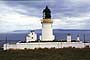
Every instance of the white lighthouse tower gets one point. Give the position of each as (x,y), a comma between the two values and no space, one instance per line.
(47,31)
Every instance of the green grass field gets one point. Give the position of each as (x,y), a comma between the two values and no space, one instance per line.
(46,54)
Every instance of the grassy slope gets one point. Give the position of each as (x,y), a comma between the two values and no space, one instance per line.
(46,54)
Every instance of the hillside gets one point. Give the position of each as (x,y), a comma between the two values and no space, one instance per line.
(46,54)
(60,34)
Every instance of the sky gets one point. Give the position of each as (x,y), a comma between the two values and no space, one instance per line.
(27,14)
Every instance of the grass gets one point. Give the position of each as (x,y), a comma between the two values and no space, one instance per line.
(46,54)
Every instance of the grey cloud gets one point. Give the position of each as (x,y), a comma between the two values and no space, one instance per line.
(21,0)
(59,7)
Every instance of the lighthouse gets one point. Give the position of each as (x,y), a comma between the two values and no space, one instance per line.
(47,31)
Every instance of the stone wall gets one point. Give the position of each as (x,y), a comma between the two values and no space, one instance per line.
(45,45)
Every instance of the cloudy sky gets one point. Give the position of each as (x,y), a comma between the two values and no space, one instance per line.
(26,14)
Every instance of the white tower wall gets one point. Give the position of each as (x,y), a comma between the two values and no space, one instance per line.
(47,31)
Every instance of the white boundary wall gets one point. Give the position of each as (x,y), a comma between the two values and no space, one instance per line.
(45,45)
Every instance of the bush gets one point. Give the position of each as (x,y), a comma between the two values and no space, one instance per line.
(87,46)
(46,54)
